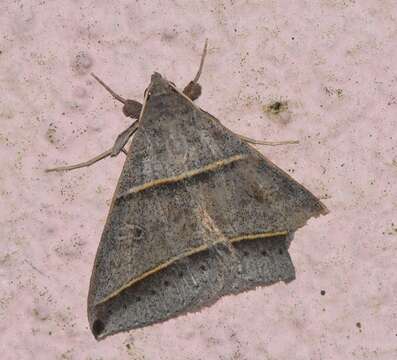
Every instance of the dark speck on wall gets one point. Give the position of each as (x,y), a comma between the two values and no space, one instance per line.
(276,107)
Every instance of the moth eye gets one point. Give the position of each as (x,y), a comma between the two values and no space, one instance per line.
(132,109)
(264,253)
(192,90)
(166,283)
(203,268)
(280,251)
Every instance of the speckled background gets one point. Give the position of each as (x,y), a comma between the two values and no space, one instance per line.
(332,61)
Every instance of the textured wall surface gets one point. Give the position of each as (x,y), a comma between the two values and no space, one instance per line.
(334,64)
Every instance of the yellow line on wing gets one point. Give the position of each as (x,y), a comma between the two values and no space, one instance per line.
(257,236)
(210,167)
(187,254)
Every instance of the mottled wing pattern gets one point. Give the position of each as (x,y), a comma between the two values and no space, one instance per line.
(190,187)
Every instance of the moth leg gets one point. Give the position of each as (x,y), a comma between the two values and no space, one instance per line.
(131,108)
(118,147)
(83,164)
(193,89)
(264,142)
(123,138)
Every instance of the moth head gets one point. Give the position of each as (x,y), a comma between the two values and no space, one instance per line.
(158,85)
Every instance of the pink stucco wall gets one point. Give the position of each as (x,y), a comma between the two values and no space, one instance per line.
(333,61)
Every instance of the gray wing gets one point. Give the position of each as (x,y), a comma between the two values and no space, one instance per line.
(189,185)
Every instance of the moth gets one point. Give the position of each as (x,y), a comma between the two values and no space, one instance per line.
(197,214)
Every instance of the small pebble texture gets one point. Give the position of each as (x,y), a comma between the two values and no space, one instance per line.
(329,64)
